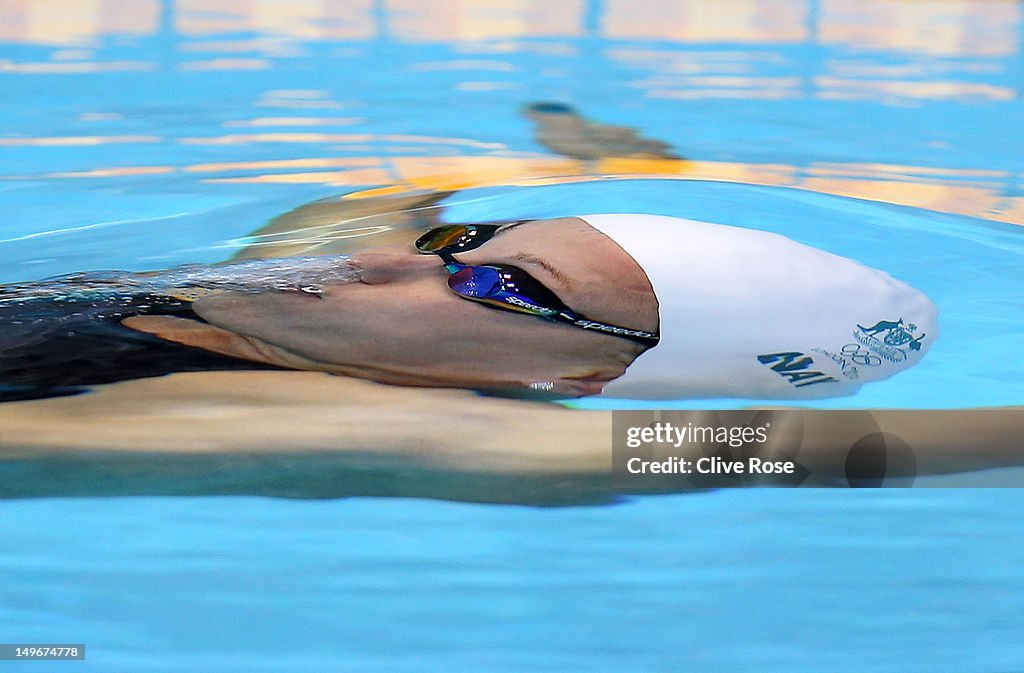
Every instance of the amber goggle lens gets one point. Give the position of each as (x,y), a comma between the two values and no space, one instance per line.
(444,237)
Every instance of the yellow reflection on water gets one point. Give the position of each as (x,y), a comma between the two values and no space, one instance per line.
(465,142)
(241,138)
(946,198)
(972,192)
(946,31)
(489,86)
(227,64)
(898,172)
(120,172)
(291,164)
(944,50)
(464,64)
(951,28)
(263,45)
(921,69)
(836,88)
(68,141)
(59,22)
(976,193)
(940,27)
(294,121)
(758,21)
(310,20)
(725,171)
(474,20)
(1010,209)
(298,99)
(696,87)
(70,68)
(364,176)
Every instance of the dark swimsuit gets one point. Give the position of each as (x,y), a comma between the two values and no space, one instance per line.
(54,348)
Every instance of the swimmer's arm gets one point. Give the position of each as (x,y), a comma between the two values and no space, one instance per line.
(304,434)
(940,441)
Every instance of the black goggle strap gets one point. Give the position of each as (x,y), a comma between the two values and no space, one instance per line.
(648,339)
(525,302)
(560,312)
(451,264)
(640,336)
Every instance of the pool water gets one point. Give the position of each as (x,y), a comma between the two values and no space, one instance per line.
(160,134)
(916,580)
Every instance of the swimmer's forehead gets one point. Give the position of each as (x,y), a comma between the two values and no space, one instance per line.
(566,243)
(545,228)
(583,266)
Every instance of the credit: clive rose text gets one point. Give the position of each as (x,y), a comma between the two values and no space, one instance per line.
(667,434)
(713,465)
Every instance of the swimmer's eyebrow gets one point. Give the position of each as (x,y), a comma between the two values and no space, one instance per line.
(508,228)
(533,259)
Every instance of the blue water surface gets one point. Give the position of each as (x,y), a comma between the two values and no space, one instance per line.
(186,117)
(736,580)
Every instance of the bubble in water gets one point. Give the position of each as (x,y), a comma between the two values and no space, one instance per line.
(299,274)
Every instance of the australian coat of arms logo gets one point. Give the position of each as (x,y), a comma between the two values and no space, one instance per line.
(892,340)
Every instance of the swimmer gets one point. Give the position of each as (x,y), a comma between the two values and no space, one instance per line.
(626,305)
(562,129)
(645,306)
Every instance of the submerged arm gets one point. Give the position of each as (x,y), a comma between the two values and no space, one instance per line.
(305,434)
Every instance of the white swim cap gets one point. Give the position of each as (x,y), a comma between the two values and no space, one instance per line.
(747,313)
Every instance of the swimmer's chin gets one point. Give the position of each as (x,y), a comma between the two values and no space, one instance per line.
(275,317)
(551,390)
(243,307)
(215,339)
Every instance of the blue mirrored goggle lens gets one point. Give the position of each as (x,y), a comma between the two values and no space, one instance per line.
(498,287)
(478,282)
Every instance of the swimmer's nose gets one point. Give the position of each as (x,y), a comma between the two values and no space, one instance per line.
(379,267)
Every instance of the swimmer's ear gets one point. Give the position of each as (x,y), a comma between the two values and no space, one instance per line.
(200,335)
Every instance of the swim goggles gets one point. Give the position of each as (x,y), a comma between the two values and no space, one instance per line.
(507,287)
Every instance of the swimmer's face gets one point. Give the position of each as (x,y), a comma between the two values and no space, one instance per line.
(401,323)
